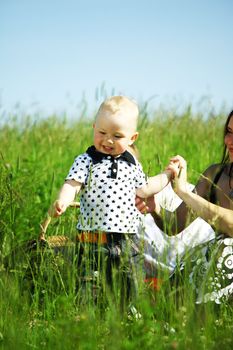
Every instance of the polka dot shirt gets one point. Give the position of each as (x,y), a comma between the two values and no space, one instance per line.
(107,197)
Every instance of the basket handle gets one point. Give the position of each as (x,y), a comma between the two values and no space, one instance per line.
(44,225)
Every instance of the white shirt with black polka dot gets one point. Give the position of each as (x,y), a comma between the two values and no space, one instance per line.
(107,204)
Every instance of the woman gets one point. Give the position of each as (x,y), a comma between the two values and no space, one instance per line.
(212,200)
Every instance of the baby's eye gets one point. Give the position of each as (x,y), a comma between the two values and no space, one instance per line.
(102,132)
(118,136)
(229,131)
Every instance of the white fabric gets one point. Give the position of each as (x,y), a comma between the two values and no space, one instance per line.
(163,250)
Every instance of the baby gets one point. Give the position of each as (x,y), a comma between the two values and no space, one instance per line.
(108,176)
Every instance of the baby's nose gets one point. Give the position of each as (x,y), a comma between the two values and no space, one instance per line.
(109,140)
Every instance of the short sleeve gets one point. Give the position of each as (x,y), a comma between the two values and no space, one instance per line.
(140,177)
(79,171)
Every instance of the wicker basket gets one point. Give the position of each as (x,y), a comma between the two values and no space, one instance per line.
(23,254)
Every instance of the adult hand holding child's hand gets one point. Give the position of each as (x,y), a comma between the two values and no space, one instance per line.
(178,166)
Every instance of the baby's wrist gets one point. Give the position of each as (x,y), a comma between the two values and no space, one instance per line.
(169,173)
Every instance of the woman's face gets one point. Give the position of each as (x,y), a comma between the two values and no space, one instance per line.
(229,139)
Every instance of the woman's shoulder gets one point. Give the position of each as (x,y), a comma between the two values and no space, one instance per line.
(213,170)
(209,177)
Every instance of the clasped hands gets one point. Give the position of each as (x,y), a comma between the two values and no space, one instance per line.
(178,166)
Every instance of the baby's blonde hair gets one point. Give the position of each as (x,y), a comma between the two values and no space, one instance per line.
(120,104)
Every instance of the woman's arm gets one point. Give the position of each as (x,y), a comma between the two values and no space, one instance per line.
(183,215)
(168,221)
(176,221)
(218,217)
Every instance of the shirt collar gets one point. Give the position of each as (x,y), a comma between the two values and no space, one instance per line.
(97,156)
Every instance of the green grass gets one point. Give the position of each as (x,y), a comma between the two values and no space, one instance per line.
(34,160)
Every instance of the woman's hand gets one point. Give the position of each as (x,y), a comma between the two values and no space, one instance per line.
(148,205)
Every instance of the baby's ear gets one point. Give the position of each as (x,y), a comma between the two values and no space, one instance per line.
(93,125)
(133,138)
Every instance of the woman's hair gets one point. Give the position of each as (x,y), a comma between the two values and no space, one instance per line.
(225,156)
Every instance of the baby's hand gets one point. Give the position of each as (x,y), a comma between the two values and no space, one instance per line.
(174,168)
(179,166)
(57,209)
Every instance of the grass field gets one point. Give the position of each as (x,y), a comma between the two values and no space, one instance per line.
(34,159)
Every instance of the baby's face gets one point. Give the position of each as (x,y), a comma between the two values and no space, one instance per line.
(113,133)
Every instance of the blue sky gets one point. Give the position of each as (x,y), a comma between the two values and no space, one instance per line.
(54,53)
